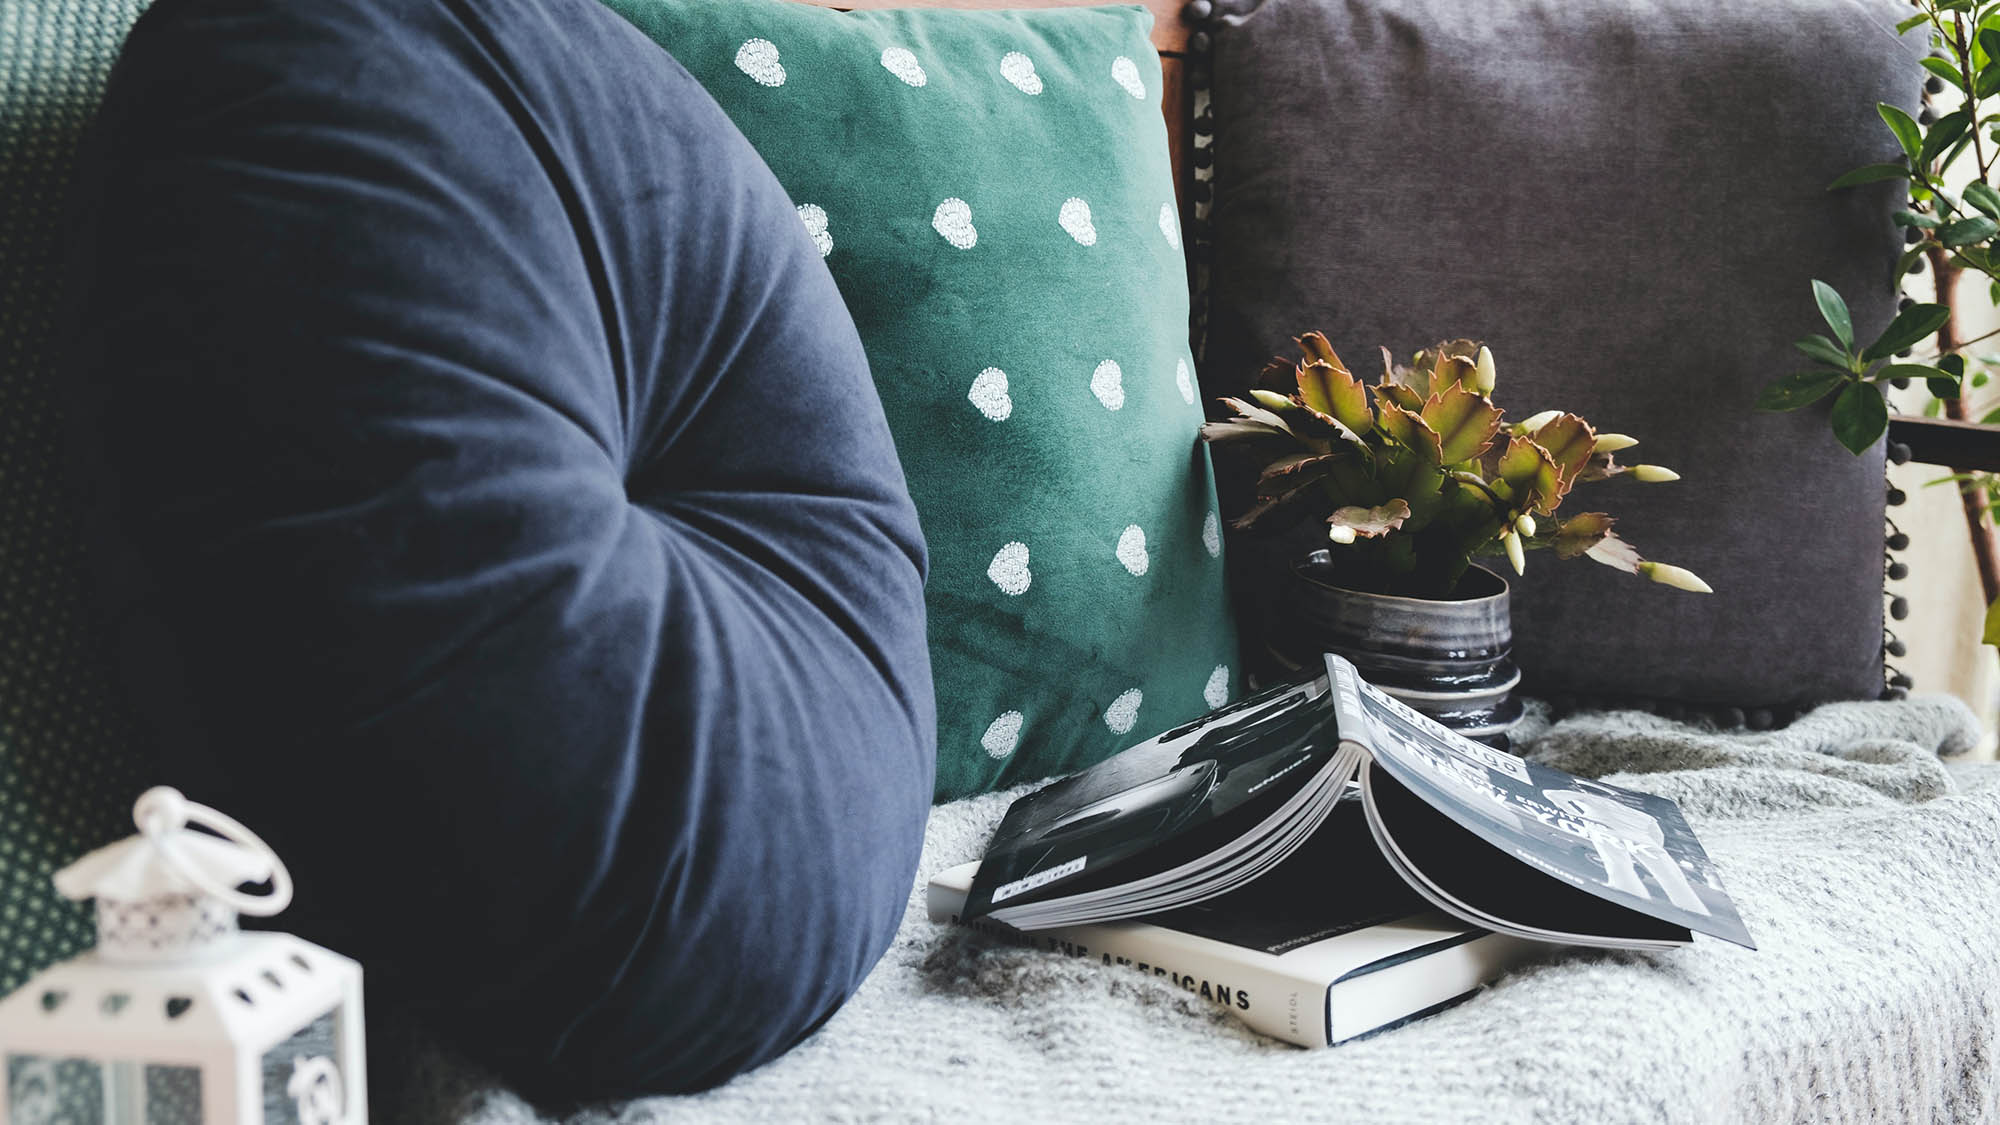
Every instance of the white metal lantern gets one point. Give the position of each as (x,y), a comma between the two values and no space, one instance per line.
(177,1017)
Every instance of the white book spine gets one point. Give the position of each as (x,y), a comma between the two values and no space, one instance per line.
(1278,1004)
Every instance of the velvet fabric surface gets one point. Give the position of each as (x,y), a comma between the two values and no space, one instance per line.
(500,519)
(992,192)
(1626,200)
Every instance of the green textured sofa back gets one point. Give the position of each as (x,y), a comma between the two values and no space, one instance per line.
(68,771)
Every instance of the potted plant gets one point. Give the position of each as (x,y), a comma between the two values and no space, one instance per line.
(1414,479)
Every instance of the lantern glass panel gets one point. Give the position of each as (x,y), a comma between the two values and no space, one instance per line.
(173,1095)
(305,1076)
(44,1091)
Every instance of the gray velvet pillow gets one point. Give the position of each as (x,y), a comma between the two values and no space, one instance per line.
(1626,199)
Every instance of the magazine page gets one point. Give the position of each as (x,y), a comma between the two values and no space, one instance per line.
(1634,850)
(1167,803)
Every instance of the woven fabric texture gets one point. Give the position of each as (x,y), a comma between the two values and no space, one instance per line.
(67,767)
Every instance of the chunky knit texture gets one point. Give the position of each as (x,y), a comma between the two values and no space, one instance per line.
(1867,867)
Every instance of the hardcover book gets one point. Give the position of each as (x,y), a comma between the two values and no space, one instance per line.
(1326,805)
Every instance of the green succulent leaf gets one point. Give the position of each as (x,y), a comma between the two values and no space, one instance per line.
(1860,416)
(1288,474)
(1239,429)
(1580,533)
(1870,173)
(1834,311)
(1337,394)
(1904,126)
(1824,350)
(1409,430)
(1316,346)
(1569,442)
(1528,469)
(1369,523)
(1464,421)
(1911,326)
(1802,388)
(1616,553)
(1965,232)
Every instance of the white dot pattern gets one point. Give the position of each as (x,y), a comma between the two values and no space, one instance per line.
(902,62)
(953,220)
(1019,71)
(1132,550)
(1002,735)
(1125,72)
(1183,381)
(1216,692)
(1107,382)
(1074,217)
(1211,535)
(1009,569)
(1123,714)
(758,58)
(989,394)
(814,217)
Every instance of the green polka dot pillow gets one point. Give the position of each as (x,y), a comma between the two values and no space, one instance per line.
(993,194)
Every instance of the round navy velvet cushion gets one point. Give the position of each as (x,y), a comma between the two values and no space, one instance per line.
(503,522)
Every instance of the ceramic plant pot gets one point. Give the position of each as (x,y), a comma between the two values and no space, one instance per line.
(1447,658)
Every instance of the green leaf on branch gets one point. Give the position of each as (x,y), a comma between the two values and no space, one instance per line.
(1990,633)
(1908,371)
(1983,196)
(1942,68)
(1904,126)
(1860,416)
(1825,350)
(1913,219)
(1965,232)
(1942,133)
(1870,173)
(1954,366)
(1834,311)
(1904,27)
(1942,388)
(1911,326)
(1802,388)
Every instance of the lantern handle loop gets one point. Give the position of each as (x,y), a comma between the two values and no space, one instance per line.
(162,810)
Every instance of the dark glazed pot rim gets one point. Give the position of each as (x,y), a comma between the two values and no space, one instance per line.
(1476,577)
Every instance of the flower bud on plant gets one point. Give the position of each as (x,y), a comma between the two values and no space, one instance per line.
(1674,576)
(1515,553)
(1484,374)
(1525,525)
(1535,422)
(1340,533)
(1654,474)
(1272,399)
(1612,443)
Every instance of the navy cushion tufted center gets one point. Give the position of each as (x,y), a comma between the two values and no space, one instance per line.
(499,516)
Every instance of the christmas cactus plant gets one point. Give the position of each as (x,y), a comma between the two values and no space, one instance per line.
(1419,475)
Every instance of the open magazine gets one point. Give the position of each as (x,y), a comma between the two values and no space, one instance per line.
(1496,841)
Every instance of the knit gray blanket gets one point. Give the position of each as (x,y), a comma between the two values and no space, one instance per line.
(1867,866)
